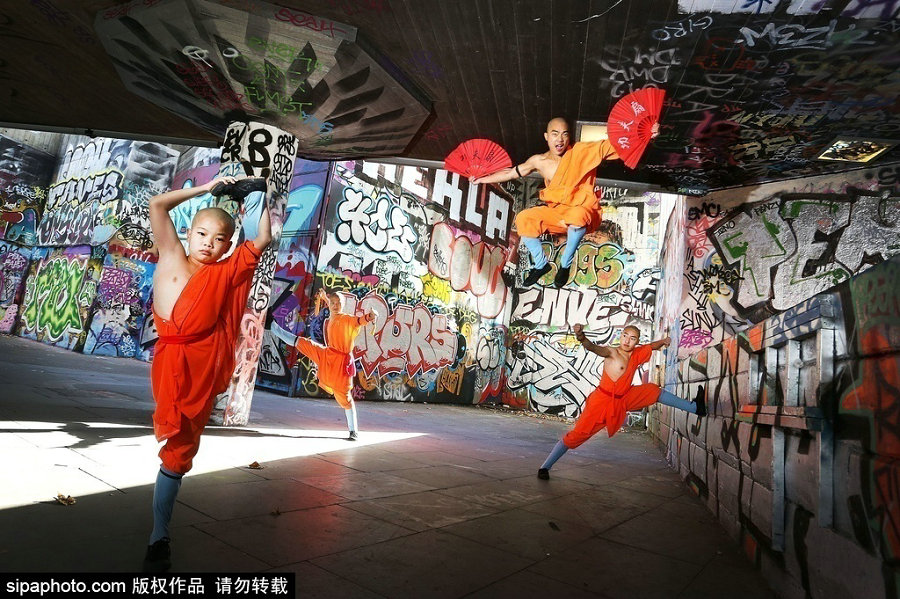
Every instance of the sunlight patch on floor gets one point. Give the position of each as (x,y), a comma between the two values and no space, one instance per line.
(78,459)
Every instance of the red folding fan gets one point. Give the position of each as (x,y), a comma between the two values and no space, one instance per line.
(477,158)
(631,122)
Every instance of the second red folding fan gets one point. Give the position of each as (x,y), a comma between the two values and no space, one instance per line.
(631,120)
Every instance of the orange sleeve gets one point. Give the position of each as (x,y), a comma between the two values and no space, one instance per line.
(589,154)
(641,354)
(243,262)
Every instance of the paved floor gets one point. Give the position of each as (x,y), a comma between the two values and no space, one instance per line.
(433,501)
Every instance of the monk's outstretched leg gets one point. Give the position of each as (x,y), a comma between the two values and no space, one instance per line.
(557,452)
(530,225)
(177,457)
(342,396)
(352,422)
(541,265)
(698,406)
(158,558)
(590,422)
(311,350)
(573,238)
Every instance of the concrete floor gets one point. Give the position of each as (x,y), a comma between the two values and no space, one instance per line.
(432,501)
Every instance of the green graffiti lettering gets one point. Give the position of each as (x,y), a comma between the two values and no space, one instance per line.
(53,306)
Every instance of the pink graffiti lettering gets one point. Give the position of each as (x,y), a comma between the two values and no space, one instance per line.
(302,19)
(476,268)
(694,338)
(411,339)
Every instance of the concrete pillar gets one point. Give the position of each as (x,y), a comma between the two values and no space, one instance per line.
(254,149)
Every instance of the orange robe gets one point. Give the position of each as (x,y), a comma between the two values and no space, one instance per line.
(334,360)
(607,404)
(194,355)
(569,198)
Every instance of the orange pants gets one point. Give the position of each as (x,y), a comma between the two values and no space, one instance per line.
(178,453)
(602,409)
(533,222)
(331,370)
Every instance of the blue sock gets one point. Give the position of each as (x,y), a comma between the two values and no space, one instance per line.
(164,493)
(558,450)
(536,250)
(573,238)
(669,399)
(350,413)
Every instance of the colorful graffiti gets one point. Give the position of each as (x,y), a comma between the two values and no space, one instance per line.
(101,188)
(407,243)
(120,307)
(24,174)
(14,261)
(294,273)
(59,293)
(259,150)
(611,285)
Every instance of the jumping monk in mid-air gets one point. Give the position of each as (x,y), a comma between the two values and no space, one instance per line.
(198,301)
(571,207)
(334,360)
(615,395)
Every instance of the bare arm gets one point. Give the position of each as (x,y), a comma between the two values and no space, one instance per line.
(661,343)
(264,230)
(366,318)
(600,350)
(161,223)
(508,174)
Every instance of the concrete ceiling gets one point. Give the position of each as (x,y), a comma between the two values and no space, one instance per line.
(756,89)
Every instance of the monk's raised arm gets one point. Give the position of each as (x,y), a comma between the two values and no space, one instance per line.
(661,343)
(161,224)
(264,230)
(508,174)
(366,318)
(600,350)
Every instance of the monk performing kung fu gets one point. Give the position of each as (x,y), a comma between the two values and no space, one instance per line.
(571,207)
(615,395)
(334,360)
(198,301)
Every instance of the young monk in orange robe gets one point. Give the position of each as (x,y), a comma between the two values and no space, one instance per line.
(198,301)
(615,395)
(571,207)
(334,360)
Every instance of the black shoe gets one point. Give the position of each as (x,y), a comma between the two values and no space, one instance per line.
(562,277)
(353,436)
(700,400)
(544,474)
(158,558)
(535,274)
(240,188)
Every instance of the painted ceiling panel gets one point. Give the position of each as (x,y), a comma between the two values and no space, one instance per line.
(756,89)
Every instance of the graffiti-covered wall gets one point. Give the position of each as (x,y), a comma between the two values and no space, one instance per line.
(101,188)
(294,273)
(751,256)
(120,307)
(59,294)
(614,280)
(24,174)
(431,256)
(14,262)
(783,299)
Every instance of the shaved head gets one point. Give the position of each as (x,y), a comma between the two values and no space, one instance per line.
(634,329)
(219,215)
(558,123)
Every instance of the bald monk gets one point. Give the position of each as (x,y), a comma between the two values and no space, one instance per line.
(334,361)
(198,301)
(615,395)
(571,207)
